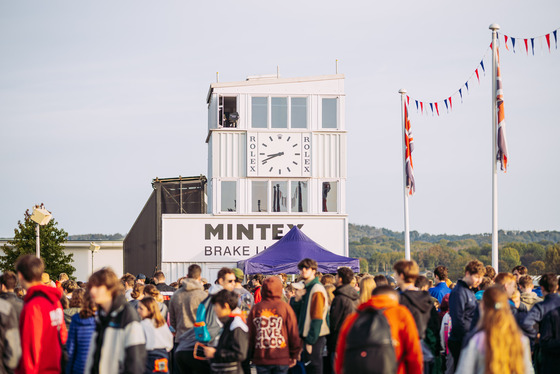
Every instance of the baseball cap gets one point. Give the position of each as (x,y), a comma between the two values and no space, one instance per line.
(45,279)
(140,276)
(238,274)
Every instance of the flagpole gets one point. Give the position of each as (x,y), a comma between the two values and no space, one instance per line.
(494,27)
(402,91)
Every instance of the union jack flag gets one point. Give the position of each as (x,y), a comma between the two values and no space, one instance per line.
(502,154)
(409,147)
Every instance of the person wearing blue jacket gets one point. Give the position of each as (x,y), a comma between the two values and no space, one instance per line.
(440,289)
(462,306)
(79,336)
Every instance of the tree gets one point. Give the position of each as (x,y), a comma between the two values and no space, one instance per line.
(364,266)
(537,268)
(52,251)
(552,258)
(510,257)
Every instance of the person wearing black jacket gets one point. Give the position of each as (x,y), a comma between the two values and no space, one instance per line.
(419,303)
(233,345)
(462,306)
(344,303)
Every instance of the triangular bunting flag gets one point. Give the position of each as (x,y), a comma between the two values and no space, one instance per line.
(422,107)
(461,94)
(407,100)
(513,44)
(437,110)
(416,106)
(555,39)
(482,64)
(477,77)
(505,41)
(467,85)
(533,45)
(450,103)
(446,106)
(526,41)
(432,107)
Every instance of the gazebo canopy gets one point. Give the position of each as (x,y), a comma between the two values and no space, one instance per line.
(284,255)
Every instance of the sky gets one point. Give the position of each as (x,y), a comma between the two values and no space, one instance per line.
(99,98)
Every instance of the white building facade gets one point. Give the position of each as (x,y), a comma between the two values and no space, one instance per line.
(276,158)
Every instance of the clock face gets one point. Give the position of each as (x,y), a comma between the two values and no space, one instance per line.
(279,154)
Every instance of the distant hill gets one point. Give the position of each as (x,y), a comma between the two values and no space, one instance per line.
(90,237)
(357,232)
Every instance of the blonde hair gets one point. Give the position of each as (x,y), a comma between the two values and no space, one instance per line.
(367,285)
(504,351)
(330,292)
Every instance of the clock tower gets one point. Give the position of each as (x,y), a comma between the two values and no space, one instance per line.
(277,146)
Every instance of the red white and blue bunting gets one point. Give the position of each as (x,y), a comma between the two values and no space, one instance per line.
(433,107)
(544,42)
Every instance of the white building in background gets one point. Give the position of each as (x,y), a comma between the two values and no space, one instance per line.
(110,254)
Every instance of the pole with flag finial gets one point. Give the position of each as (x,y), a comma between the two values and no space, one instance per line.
(403,91)
(494,27)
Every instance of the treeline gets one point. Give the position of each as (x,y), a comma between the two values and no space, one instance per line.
(116,236)
(378,249)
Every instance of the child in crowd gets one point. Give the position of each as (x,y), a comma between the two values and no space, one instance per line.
(233,345)
(159,340)
(528,297)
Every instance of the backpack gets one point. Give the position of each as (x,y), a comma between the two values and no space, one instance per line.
(369,346)
(201,332)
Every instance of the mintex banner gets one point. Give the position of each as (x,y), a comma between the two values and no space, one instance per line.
(207,238)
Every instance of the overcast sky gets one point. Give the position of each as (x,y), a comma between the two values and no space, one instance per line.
(98,98)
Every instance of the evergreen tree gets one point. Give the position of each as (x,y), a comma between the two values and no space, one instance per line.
(52,251)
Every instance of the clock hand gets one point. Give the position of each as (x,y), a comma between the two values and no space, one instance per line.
(272,156)
(276,154)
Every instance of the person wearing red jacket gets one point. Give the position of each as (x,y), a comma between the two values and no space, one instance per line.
(41,323)
(404,333)
(257,284)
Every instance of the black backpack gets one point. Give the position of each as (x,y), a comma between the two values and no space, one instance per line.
(369,346)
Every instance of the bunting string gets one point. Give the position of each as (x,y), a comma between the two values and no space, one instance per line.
(457,96)
(547,41)
(550,40)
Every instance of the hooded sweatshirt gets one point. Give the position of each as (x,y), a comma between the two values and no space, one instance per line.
(39,324)
(345,301)
(273,327)
(183,306)
(403,332)
(420,305)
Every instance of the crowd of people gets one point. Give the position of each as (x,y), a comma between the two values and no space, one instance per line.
(314,323)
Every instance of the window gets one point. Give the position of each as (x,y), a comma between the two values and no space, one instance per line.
(329,201)
(279,196)
(299,112)
(279,112)
(299,196)
(260,196)
(228,115)
(285,112)
(229,196)
(259,112)
(329,113)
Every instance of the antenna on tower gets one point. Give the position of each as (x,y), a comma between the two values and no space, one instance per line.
(277,71)
(336,66)
(217,76)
